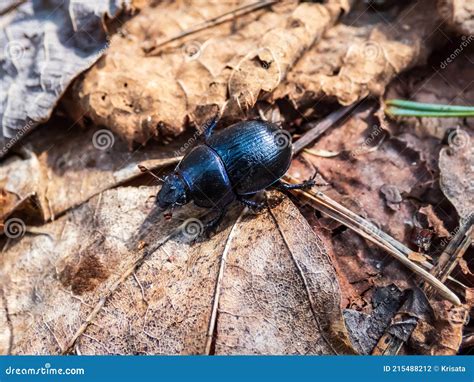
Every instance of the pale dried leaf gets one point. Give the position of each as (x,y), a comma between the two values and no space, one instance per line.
(112,276)
(456,165)
(43,46)
(366,329)
(66,167)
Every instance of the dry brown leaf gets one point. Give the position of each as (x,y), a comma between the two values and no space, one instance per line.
(443,336)
(227,66)
(415,309)
(114,277)
(459,15)
(359,177)
(434,221)
(352,62)
(65,167)
(8,202)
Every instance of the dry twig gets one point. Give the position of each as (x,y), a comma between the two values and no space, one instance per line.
(228,16)
(372,233)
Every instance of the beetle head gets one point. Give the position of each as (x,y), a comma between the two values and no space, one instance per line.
(172,193)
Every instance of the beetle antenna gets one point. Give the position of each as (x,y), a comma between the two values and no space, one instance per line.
(147,170)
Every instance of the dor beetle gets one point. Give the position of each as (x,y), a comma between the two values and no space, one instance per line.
(232,164)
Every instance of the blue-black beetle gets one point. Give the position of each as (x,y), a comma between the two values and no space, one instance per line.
(232,164)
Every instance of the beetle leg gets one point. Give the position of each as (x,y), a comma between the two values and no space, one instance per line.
(307,184)
(212,224)
(209,127)
(251,203)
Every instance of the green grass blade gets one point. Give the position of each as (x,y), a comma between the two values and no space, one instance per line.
(412,105)
(396,111)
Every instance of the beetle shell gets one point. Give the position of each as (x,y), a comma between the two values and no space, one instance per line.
(255,154)
(206,178)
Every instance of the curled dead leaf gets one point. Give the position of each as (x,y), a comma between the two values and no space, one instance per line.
(228,66)
(376,54)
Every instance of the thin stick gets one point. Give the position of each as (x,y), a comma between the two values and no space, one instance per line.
(11,7)
(372,233)
(389,344)
(147,170)
(321,127)
(218,287)
(213,22)
(453,252)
